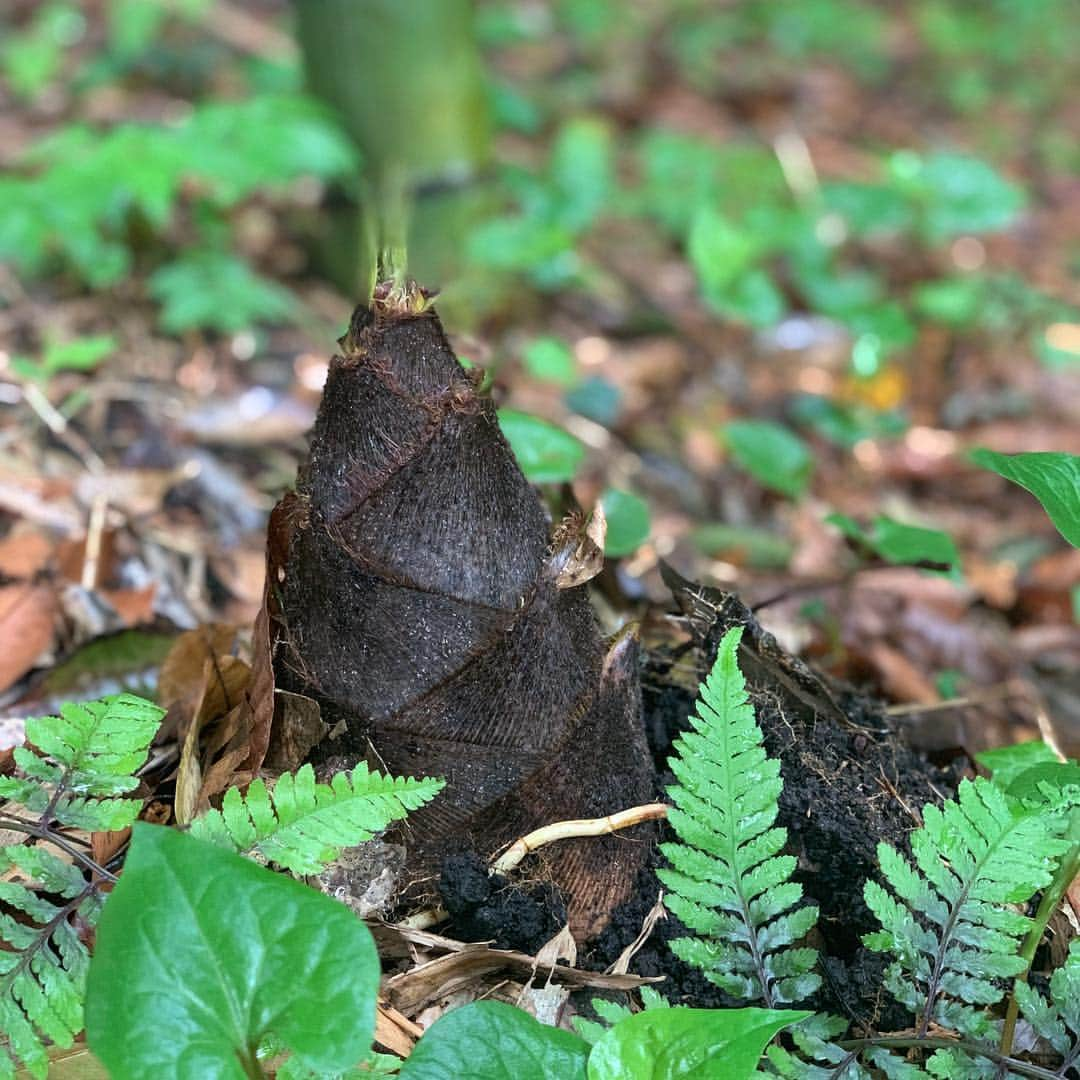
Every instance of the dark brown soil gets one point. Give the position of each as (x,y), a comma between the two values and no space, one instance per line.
(488,907)
(849,783)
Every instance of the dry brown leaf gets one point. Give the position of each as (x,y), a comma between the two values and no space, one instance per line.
(394,1032)
(181,686)
(259,705)
(134,606)
(137,492)
(652,917)
(24,552)
(899,676)
(298,727)
(224,680)
(412,990)
(225,773)
(104,845)
(27,629)
(561,947)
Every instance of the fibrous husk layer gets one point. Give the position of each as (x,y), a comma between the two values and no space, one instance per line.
(425,604)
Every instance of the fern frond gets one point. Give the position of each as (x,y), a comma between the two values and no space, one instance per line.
(75,772)
(43,961)
(1057,1020)
(611,1012)
(819,1058)
(302,825)
(77,764)
(952,931)
(728,881)
(959,1065)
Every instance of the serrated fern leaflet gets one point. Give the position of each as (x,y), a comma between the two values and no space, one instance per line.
(77,766)
(728,882)
(1057,1020)
(952,926)
(301,825)
(74,774)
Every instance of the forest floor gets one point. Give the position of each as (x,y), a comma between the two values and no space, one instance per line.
(134,497)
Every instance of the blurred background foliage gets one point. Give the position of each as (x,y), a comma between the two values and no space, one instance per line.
(820,246)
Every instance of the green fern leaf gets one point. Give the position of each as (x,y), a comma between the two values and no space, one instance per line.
(611,1012)
(77,766)
(728,881)
(958,1065)
(43,962)
(1057,1020)
(302,825)
(952,936)
(819,1057)
(74,774)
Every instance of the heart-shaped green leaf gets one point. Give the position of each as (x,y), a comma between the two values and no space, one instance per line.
(773,455)
(492,1041)
(546,453)
(202,954)
(1054,479)
(689,1044)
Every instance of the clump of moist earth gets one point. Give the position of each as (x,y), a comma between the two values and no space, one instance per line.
(828,771)
(845,788)
(488,907)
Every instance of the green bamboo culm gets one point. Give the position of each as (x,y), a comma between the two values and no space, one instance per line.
(407,82)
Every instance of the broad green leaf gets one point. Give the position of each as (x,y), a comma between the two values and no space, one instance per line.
(202,954)
(846,424)
(1058,774)
(1054,479)
(597,399)
(886,322)
(32,59)
(746,545)
(627,521)
(719,250)
(868,208)
(900,544)
(518,243)
(550,359)
(953,301)
(752,298)
(582,170)
(772,454)
(489,1040)
(1006,763)
(695,1044)
(967,195)
(82,354)
(546,453)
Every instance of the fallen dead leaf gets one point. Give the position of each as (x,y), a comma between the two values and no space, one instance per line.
(224,680)
(395,1032)
(900,678)
(412,990)
(27,628)
(181,687)
(134,606)
(24,552)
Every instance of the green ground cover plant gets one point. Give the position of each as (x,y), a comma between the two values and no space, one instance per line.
(951,914)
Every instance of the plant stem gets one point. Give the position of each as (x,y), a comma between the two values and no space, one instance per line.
(1051,898)
(60,841)
(43,934)
(392,223)
(1025,1068)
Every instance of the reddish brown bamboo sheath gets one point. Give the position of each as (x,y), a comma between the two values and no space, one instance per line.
(420,605)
